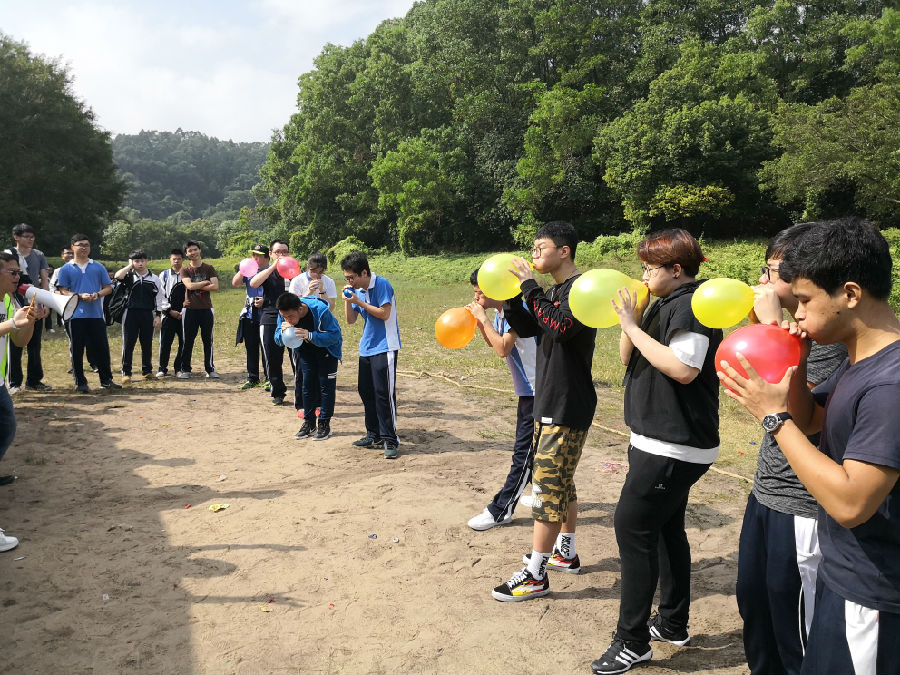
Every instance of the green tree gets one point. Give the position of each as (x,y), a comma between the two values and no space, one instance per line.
(56,171)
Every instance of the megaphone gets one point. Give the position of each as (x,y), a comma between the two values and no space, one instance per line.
(63,304)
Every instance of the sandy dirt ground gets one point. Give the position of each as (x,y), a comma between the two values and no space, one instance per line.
(328,559)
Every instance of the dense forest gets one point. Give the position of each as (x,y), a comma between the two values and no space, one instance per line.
(185,175)
(464,124)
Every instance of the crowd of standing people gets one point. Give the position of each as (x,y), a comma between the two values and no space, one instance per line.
(818,584)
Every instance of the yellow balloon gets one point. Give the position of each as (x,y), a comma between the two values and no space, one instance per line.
(639,287)
(721,303)
(590,295)
(495,280)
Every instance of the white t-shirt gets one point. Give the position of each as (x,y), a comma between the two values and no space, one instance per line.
(300,287)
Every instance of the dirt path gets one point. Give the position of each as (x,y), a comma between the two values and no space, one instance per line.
(328,558)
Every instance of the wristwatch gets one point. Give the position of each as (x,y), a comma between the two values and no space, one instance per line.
(771,423)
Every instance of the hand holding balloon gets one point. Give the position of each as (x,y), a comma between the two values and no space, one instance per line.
(496,279)
(757,395)
(769,350)
(477,311)
(627,310)
(522,269)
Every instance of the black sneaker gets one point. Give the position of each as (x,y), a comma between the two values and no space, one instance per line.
(83,389)
(323,432)
(278,400)
(659,631)
(305,431)
(367,442)
(110,385)
(521,586)
(558,562)
(40,386)
(621,656)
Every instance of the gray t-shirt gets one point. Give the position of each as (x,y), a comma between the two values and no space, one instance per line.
(775,484)
(36,261)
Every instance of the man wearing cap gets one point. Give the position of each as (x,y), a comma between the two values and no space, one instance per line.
(248,324)
(143,312)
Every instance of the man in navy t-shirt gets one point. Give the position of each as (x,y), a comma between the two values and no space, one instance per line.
(840,273)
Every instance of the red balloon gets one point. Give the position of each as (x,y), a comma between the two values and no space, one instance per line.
(769,349)
(287,267)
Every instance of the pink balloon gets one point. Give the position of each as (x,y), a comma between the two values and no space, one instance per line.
(248,267)
(287,267)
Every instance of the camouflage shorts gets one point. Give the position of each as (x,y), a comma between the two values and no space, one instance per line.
(555,460)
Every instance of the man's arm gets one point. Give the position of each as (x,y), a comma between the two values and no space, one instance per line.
(20,326)
(260,277)
(501,344)
(45,277)
(122,273)
(237,280)
(212,284)
(850,492)
(383,312)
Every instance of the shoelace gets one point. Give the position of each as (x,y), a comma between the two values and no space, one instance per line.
(518,577)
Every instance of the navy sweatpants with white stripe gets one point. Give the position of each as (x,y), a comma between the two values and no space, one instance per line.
(504,502)
(849,639)
(376,384)
(777,561)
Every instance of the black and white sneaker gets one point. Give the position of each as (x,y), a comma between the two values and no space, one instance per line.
(305,431)
(659,631)
(621,656)
(323,432)
(521,586)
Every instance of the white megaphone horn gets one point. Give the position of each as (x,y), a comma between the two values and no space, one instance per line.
(63,304)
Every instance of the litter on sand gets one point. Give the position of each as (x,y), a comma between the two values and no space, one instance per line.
(215,508)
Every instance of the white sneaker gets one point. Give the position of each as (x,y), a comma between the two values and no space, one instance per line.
(7,543)
(183,375)
(160,374)
(213,375)
(14,390)
(527,501)
(485,521)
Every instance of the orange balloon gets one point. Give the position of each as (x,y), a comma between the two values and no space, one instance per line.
(455,328)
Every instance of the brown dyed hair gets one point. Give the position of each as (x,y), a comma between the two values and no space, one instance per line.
(672,246)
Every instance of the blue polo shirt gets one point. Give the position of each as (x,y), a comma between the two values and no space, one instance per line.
(378,336)
(88,280)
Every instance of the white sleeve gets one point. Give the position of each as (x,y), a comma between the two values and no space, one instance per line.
(689,348)
(330,288)
(298,286)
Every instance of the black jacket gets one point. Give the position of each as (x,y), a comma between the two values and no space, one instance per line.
(656,406)
(564,389)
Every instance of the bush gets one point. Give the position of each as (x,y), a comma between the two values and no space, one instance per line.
(342,248)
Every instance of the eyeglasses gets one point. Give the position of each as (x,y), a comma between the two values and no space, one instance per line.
(13,273)
(767,272)
(538,251)
(81,245)
(25,236)
(650,270)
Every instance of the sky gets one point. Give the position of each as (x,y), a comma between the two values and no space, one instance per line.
(226,68)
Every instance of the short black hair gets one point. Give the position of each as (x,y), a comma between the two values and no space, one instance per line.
(473,278)
(6,256)
(138,254)
(782,241)
(287,301)
(278,241)
(317,260)
(22,228)
(177,251)
(830,253)
(356,262)
(79,236)
(66,248)
(561,233)
(190,243)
